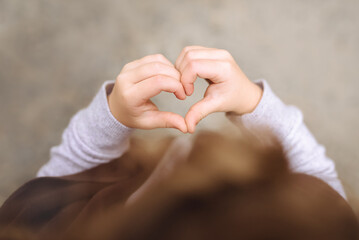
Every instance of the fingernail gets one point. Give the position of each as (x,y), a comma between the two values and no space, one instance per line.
(192,129)
(188,92)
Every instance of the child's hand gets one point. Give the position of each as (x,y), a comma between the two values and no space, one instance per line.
(229,89)
(140,80)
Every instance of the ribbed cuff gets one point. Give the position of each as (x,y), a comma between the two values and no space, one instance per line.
(269,115)
(99,128)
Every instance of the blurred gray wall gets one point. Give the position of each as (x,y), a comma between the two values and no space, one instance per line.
(55,54)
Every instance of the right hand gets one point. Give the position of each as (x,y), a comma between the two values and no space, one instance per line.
(139,81)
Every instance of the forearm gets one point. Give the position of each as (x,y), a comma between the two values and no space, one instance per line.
(304,153)
(92,137)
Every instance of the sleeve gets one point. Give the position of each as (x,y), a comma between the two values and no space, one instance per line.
(93,137)
(304,153)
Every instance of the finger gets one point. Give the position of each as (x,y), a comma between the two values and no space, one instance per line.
(199,111)
(155,85)
(184,51)
(213,70)
(149,70)
(147,59)
(209,53)
(158,119)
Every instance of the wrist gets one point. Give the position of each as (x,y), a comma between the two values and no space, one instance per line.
(250,99)
(114,109)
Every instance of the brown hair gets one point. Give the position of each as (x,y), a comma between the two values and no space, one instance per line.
(230,188)
(234,188)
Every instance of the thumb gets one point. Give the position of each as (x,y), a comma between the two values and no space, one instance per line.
(199,111)
(159,119)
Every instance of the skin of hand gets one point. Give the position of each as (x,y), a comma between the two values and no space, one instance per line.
(140,80)
(229,89)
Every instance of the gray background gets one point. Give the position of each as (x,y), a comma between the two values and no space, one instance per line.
(54,55)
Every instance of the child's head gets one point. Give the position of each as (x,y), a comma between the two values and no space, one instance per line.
(235,189)
(228,189)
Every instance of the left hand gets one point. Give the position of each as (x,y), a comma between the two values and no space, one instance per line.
(229,88)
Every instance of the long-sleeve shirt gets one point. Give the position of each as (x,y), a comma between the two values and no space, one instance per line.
(94,137)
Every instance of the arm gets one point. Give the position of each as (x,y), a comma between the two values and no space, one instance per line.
(92,137)
(100,132)
(304,153)
(254,105)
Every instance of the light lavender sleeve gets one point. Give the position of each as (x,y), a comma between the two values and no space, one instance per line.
(304,153)
(92,137)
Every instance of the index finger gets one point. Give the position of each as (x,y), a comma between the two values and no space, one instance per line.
(213,70)
(147,59)
(183,53)
(153,86)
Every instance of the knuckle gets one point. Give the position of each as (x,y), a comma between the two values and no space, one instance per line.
(123,80)
(158,79)
(226,65)
(119,78)
(159,57)
(190,55)
(192,65)
(125,67)
(156,66)
(186,49)
(225,53)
